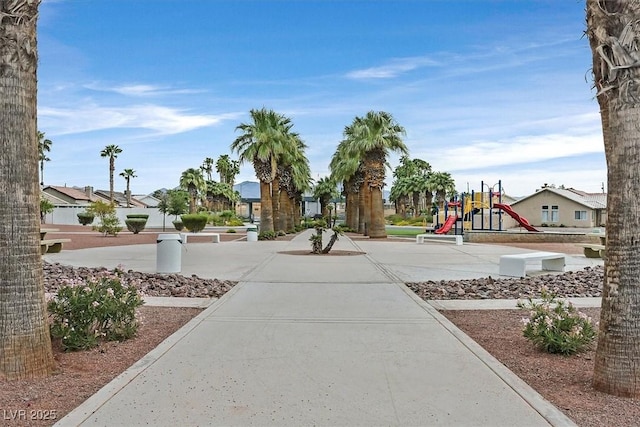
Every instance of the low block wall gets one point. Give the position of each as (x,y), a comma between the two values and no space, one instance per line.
(524,237)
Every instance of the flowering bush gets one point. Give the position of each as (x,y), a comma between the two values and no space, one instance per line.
(556,326)
(101,307)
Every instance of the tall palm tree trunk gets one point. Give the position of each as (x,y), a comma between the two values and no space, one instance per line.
(275,203)
(355,210)
(112,168)
(376,227)
(611,26)
(266,207)
(284,210)
(25,343)
(363,201)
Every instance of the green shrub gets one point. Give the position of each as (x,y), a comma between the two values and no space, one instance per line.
(195,222)
(235,222)
(231,230)
(178,225)
(267,235)
(85,218)
(135,225)
(227,215)
(556,326)
(110,224)
(216,220)
(101,308)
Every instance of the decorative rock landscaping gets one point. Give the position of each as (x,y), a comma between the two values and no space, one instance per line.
(583,283)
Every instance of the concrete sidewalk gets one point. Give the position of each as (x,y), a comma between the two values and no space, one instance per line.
(308,340)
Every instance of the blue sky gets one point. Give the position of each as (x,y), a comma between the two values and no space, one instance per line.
(487,90)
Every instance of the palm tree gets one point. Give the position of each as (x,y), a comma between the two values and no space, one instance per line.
(442,184)
(44,146)
(262,142)
(207,167)
(346,169)
(325,190)
(612,28)
(192,181)
(127,174)
(25,343)
(372,138)
(111,151)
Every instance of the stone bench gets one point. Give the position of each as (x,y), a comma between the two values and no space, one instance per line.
(52,246)
(592,250)
(515,265)
(215,236)
(420,238)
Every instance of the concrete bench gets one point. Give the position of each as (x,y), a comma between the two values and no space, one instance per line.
(215,236)
(52,246)
(453,237)
(515,265)
(592,250)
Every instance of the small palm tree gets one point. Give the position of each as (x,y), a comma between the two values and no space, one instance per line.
(128,174)
(325,190)
(44,146)
(192,181)
(111,151)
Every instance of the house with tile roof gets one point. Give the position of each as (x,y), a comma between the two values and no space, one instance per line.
(59,195)
(566,207)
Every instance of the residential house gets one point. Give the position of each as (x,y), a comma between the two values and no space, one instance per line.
(563,207)
(64,196)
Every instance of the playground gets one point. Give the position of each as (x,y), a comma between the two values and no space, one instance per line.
(486,217)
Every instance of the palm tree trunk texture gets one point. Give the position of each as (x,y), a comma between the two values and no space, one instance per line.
(611,29)
(352,210)
(266,207)
(275,202)
(284,211)
(362,209)
(376,227)
(25,344)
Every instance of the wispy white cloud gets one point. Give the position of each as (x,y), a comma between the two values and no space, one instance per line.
(518,150)
(141,89)
(393,68)
(159,119)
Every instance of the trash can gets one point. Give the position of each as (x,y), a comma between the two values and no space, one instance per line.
(252,233)
(169,253)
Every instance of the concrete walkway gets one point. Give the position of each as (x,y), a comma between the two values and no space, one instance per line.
(308,340)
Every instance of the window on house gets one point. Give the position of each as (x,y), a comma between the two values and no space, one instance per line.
(581,215)
(555,215)
(545,214)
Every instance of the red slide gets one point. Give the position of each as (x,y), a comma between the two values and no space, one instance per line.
(447,224)
(513,214)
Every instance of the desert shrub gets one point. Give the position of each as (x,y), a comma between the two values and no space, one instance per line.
(85,218)
(135,225)
(556,326)
(216,220)
(235,222)
(84,313)
(109,224)
(267,235)
(195,222)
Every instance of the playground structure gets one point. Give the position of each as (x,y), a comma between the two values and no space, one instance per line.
(468,207)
